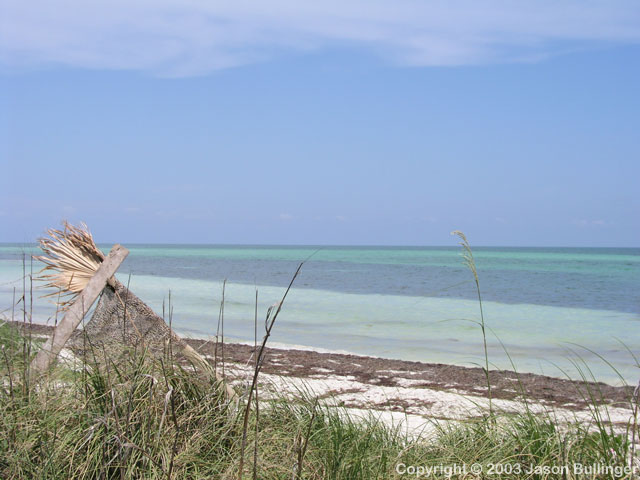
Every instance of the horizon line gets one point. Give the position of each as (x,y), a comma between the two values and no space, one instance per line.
(310,245)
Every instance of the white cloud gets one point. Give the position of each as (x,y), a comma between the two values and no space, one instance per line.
(189,37)
(285,217)
(69,209)
(590,223)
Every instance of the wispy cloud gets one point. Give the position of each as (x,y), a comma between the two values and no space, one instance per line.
(590,223)
(190,37)
(69,209)
(285,217)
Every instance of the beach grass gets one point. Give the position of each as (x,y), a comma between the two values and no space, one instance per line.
(144,417)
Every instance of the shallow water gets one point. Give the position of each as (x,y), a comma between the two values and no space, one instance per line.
(543,306)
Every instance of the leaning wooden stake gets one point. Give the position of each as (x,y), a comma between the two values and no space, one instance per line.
(78,310)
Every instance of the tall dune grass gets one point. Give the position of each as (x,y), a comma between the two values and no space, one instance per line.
(142,419)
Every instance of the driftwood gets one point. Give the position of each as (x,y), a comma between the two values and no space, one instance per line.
(77,311)
(120,322)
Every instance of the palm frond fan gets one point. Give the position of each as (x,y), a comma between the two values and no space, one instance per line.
(71,258)
(120,319)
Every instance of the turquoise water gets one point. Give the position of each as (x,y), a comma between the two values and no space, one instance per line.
(543,305)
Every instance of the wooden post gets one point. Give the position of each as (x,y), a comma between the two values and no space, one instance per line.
(77,311)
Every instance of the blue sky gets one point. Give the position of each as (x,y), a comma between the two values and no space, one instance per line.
(341,123)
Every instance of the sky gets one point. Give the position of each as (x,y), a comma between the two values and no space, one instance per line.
(345,123)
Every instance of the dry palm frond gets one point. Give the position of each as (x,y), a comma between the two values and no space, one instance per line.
(71,258)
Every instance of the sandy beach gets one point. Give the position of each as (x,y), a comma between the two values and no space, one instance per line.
(418,396)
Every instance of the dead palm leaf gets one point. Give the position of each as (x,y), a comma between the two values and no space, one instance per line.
(71,258)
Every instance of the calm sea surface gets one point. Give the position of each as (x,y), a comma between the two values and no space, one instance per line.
(548,307)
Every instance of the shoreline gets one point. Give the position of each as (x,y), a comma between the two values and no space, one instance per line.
(415,393)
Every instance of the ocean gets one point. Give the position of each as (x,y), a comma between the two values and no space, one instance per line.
(555,311)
